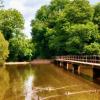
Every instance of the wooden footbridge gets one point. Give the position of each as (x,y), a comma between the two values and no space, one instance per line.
(88,65)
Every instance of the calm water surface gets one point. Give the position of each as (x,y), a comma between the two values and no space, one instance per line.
(44,82)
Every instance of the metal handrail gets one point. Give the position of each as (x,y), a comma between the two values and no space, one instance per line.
(83,58)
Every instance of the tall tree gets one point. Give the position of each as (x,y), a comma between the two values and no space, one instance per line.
(11,21)
(21,49)
(64,27)
(97,15)
(81,35)
(40,39)
(79,11)
(45,25)
(58,5)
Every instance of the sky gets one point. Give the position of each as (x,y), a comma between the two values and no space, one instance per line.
(28,8)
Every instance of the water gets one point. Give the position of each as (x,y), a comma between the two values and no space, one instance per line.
(44,82)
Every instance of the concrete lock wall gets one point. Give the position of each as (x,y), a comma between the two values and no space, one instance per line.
(69,66)
(86,71)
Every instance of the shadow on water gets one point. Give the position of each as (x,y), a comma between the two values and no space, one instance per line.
(96,74)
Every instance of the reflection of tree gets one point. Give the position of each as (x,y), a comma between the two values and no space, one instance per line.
(4,82)
(15,90)
(18,75)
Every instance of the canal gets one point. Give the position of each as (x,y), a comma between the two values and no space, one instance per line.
(44,82)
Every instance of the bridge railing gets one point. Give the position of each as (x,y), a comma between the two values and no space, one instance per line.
(83,58)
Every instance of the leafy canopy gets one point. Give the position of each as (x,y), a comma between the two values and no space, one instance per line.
(20,49)
(11,21)
(3,48)
(66,27)
(97,15)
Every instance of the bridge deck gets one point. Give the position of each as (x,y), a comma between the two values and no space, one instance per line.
(79,62)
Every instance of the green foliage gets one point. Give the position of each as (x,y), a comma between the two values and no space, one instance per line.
(58,5)
(79,11)
(93,48)
(20,49)
(65,27)
(3,48)
(11,21)
(97,15)
(42,13)
(81,35)
(40,39)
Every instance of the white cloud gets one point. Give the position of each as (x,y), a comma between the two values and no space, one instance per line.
(94,1)
(28,8)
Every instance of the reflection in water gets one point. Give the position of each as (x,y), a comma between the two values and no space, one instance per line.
(4,82)
(45,82)
(28,88)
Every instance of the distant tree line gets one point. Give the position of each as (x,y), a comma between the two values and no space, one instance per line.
(20,47)
(66,27)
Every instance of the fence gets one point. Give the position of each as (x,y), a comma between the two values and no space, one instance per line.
(83,58)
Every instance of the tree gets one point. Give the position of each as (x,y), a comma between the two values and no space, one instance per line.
(81,35)
(79,11)
(20,49)
(40,39)
(97,15)
(64,27)
(58,5)
(3,48)
(45,28)
(42,14)
(11,21)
